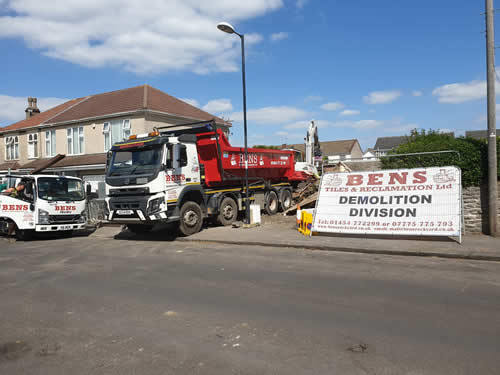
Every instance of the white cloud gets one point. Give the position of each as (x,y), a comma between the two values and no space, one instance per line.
(218,106)
(168,35)
(417,93)
(460,92)
(300,3)
(304,124)
(279,36)
(12,107)
(360,124)
(193,102)
(271,115)
(350,112)
(312,98)
(332,106)
(382,97)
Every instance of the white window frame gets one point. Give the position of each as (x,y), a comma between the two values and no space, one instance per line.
(79,147)
(12,148)
(50,147)
(107,131)
(33,146)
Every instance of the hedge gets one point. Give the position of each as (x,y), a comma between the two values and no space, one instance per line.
(472,158)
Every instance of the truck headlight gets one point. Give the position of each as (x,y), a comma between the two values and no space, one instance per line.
(43,217)
(154,205)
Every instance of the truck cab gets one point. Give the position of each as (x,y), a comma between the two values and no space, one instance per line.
(147,175)
(47,203)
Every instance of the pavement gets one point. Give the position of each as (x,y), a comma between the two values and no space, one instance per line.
(128,305)
(280,231)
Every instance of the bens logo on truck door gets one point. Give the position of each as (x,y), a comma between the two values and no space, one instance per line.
(175,178)
(15,207)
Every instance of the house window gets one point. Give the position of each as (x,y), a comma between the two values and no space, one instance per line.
(115,131)
(75,140)
(12,148)
(50,143)
(32,145)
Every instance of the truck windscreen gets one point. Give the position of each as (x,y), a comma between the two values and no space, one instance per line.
(60,189)
(134,162)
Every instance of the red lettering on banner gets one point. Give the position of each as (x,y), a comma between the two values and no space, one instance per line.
(375,179)
(5,207)
(354,179)
(400,177)
(419,177)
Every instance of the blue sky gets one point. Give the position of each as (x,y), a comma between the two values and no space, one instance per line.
(361,69)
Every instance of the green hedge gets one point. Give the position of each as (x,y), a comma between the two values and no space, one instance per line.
(473,159)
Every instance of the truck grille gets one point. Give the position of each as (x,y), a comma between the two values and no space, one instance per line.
(63,219)
(125,205)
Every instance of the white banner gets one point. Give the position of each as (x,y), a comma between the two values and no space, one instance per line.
(423,201)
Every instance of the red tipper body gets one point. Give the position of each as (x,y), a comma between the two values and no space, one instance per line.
(225,165)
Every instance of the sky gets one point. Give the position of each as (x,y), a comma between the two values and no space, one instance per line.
(361,69)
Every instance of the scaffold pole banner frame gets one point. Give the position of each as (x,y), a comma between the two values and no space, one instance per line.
(419,202)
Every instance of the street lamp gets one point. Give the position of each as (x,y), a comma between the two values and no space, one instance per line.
(228,28)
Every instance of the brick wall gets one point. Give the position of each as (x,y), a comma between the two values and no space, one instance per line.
(476,209)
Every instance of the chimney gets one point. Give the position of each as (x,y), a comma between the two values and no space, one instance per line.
(29,110)
(35,108)
(32,108)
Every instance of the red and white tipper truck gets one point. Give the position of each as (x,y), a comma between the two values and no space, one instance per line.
(190,172)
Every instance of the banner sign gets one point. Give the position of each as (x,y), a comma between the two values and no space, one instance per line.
(423,201)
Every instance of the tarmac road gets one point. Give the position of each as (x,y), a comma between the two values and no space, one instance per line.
(109,306)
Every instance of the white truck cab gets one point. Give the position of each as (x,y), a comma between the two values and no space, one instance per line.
(48,203)
(146,177)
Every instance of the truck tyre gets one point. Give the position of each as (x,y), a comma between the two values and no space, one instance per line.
(272,203)
(139,228)
(285,199)
(24,234)
(228,212)
(191,218)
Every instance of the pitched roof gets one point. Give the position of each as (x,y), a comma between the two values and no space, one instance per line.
(111,103)
(68,161)
(479,134)
(9,165)
(388,143)
(329,147)
(42,117)
(338,147)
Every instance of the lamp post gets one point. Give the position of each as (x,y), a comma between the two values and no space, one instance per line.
(228,28)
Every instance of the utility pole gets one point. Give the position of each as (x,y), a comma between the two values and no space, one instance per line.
(492,132)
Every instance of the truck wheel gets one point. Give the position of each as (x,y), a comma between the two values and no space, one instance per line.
(272,203)
(228,211)
(139,228)
(285,199)
(191,218)
(24,234)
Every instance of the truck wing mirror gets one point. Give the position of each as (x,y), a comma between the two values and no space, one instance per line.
(88,190)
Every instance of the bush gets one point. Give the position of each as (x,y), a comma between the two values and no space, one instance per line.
(473,159)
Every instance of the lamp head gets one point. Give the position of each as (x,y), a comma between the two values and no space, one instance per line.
(226,27)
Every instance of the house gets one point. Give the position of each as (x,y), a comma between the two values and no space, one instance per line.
(479,134)
(386,144)
(369,154)
(335,150)
(85,128)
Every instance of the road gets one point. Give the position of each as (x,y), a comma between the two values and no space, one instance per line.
(125,306)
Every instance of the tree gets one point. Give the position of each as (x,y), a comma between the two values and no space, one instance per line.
(472,156)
